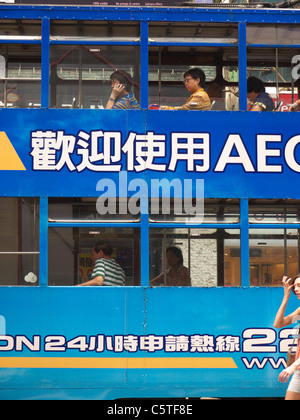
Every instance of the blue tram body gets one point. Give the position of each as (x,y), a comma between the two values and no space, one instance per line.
(58,341)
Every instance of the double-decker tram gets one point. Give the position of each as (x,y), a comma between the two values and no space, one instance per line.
(200,207)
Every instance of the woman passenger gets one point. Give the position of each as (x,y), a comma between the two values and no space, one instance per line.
(293,392)
(121,96)
(176,274)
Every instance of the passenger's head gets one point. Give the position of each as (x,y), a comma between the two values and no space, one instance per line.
(254,86)
(100,250)
(174,256)
(194,76)
(123,78)
(296,285)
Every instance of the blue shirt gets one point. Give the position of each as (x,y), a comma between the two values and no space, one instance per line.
(265,101)
(127,102)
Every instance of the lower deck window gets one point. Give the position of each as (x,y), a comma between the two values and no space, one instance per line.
(70,251)
(210,257)
(207,255)
(19,241)
(273,253)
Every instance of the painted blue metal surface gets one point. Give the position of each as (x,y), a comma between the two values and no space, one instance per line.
(58,315)
(149,14)
(260,151)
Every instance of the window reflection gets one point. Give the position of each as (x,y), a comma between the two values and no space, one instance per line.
(198,211)
(273,34)
(89,210)
(273,253)
(274,211)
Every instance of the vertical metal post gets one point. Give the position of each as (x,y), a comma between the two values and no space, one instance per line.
(145,250)
(144,82)
(242,66)
(277,78)
(245,254)
(45,83)
(43,241)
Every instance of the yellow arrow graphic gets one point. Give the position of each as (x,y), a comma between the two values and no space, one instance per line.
(9,159)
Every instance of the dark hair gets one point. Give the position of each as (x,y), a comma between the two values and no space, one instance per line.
(104,247)
(177,252)
(255,85)
(196,73)
(293,282)
(123,77)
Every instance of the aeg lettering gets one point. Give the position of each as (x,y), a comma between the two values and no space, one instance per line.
(108,151)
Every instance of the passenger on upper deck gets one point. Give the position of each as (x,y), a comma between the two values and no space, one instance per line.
(176,274)
(121,96)
(107,272)
(256,92)
(295,106)
(194,81)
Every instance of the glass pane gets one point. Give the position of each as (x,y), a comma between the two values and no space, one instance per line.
(20,28)
(273,253)
(167,66)
(273,34)
(195,211)
(95,29)
(262,64)
(273,67)
(221,210)
(274,211)
(80,75)
(90,210)
(70,253)
(210,257)
(20,76)
(19,241)
(272,70)
(193,32)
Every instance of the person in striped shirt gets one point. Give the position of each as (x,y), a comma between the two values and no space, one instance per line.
(121,96)
(107,272)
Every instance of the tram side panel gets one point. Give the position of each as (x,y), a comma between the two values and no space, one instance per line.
(132,342)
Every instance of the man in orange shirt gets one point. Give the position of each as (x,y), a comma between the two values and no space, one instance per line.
(194,81)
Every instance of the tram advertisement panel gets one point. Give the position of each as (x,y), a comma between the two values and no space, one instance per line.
(66,153)
(162,340)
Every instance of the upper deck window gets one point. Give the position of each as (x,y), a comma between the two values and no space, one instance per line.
(167,65)
(20,76)
(94,30)
(273,34)
(193,32)
(20,30)
(80,74)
